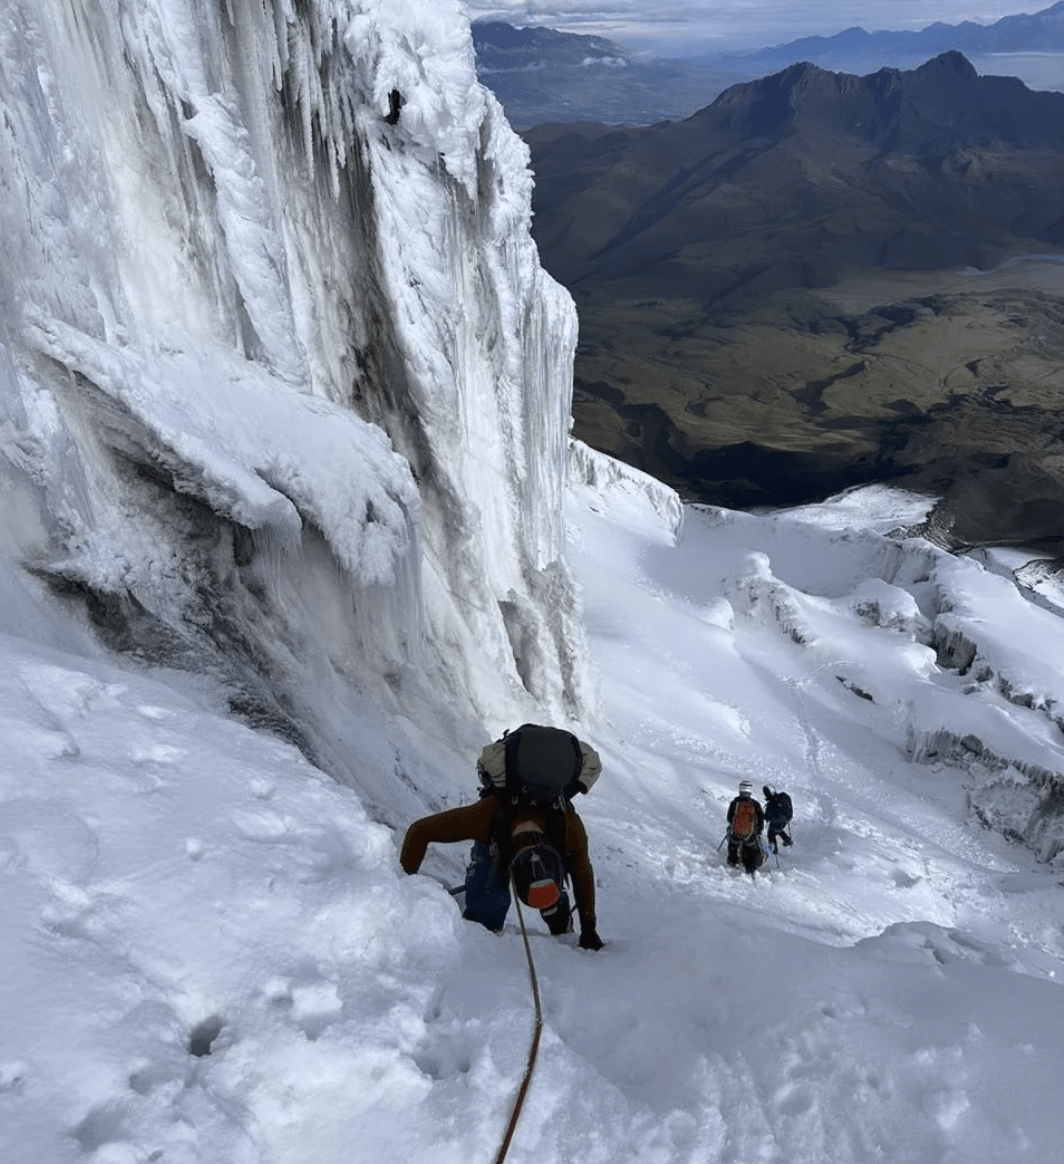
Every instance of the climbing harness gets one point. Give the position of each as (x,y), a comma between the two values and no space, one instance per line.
(533,1051)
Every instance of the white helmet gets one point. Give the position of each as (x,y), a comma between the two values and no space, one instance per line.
(745,788)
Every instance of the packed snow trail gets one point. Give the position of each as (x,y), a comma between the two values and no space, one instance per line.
(854,1005)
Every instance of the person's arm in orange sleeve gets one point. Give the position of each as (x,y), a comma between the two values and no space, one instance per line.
(471,822)
(583,877)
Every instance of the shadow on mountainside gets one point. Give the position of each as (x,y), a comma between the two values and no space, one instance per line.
(815,283)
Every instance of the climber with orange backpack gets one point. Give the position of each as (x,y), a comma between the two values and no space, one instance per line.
(746,821)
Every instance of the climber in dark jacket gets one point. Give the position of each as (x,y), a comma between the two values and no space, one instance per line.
(477,822)
(778,814)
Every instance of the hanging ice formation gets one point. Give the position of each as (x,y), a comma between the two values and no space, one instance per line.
(285,389)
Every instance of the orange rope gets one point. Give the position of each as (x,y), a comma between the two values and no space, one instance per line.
(534,1049)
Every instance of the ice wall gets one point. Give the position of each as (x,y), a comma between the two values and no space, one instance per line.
(603,473)
(286,391)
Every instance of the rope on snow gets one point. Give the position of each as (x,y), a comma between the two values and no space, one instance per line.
(533,1051)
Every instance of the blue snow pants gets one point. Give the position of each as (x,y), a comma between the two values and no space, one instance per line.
(487,896)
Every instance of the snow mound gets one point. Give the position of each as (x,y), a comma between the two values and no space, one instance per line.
(263,456)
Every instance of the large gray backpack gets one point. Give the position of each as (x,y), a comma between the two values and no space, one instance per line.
(542,766)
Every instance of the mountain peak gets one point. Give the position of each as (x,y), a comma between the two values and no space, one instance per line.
(500,45)
(952,64)
(944,97)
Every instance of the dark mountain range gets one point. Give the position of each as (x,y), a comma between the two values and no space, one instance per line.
(706,258)
(930,168)
(544,75)
(541,74)
(854,49)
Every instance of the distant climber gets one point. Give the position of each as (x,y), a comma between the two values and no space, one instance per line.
(395,104)
(746,820)
(778,813)
(525,831)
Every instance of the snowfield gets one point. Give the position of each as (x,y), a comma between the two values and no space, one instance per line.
(211,953)
(291,526)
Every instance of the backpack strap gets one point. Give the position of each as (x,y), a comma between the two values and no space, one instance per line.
(555,830)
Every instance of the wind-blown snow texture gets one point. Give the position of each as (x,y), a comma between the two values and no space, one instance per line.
(286,538)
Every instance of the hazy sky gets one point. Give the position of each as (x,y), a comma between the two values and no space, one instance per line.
(680,26)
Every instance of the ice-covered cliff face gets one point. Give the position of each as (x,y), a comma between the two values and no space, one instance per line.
(285,390)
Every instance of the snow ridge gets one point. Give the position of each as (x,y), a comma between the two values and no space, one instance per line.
(603,474)
(949,651)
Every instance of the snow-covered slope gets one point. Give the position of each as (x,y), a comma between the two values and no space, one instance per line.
(211,955)
(286,390)
(285,539)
